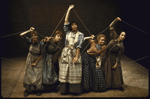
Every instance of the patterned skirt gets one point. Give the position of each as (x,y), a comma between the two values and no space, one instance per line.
(92,78)
(70,73)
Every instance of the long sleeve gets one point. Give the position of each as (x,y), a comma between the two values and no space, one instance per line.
(118,58)
(80,40)
(66,27)
(113,34)
(58,53)
(109,47)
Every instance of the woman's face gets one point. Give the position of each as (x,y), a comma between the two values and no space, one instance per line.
(58,37)
(34,37)
(101,41)
(122,36)
(74,26)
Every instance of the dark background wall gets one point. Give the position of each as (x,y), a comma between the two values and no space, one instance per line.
(136,13)
(44,15)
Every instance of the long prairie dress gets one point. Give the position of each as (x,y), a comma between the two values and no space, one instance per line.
(70,74)
(114,51)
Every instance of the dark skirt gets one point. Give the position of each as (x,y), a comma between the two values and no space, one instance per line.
(49,73)
(32,88)
(70,88)
(92,78)
(50,88)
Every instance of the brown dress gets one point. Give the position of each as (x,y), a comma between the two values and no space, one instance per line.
(113,77)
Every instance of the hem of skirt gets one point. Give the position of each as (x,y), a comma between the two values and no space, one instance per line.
(71,82)
(49,83)
(70,88)
(34,87)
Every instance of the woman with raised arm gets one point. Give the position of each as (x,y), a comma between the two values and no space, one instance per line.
(70,67)
(92,76)
(114,51)
(33,74)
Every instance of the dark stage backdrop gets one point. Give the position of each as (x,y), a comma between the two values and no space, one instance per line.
(137,44)
(44,15)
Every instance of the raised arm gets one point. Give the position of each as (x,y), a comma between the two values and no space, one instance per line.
(31,29)
(114,22)
(113,34)
(67,14)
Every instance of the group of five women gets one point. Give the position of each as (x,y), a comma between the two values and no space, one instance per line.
(97,69)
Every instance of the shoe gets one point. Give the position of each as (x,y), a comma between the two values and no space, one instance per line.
(38,93)
(26,93)
(121,89)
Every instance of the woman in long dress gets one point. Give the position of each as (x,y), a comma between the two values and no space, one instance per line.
(33,74)
(92,76)
(52,52)
(114,51)
(70,67)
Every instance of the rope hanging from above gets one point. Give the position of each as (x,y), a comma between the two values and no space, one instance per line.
(135,27)
(82,22)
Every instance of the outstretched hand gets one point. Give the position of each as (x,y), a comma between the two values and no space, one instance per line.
(32,28)
(118,19)
(92,36)
(71,6)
